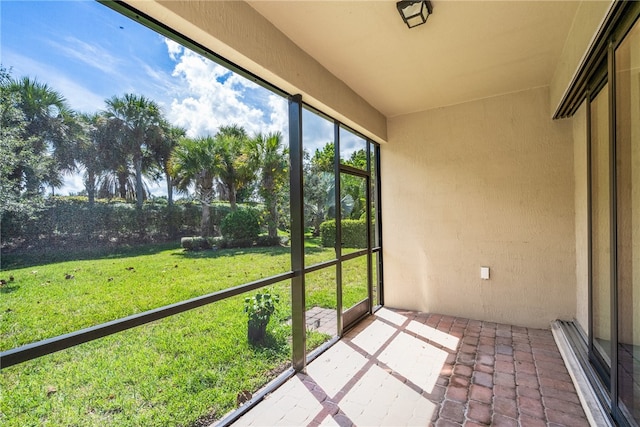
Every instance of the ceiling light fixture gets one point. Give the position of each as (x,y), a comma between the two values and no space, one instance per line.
(414,12)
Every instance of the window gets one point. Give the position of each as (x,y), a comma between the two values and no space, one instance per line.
(151,191)
(612,94)
(627,140)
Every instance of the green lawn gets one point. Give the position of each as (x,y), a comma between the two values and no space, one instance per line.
(170,372)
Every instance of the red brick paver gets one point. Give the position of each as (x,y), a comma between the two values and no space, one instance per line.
(517,376)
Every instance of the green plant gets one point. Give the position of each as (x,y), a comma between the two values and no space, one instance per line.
(328,233)
(354,233)
(196,243)
(241,224)
(259,309)
(268,241)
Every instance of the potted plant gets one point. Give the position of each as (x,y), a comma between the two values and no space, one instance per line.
(259,309)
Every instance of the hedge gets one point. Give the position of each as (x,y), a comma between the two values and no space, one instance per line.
(198,243)
(243,224)
(71,219)
(354,233)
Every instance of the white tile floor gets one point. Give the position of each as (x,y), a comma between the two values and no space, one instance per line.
(365,393)
(291,404)
(335,367)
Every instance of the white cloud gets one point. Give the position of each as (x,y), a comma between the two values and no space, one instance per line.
(279,117)
(90,54)
(236,79)
(213,96)
(350,143)
(197,94)
(174,48)
(73,184)
(158,188)
(80,98)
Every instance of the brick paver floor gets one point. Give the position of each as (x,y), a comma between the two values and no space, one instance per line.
(323,320)
(407,368)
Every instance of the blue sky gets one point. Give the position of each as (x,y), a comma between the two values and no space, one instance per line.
(88,53)
(82,49)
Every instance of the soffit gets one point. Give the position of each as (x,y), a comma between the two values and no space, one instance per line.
(467,49)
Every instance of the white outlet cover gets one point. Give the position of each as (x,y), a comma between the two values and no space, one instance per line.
(484,273)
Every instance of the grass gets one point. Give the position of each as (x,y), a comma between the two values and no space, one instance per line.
(49,300)
(171,372)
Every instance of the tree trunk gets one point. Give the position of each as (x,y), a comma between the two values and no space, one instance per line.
(232,197)
(90,184)
(171,217)
(169,189)
(318,218)
(204,223)
(271,201)
(139,190)
(122,185)
(272,225)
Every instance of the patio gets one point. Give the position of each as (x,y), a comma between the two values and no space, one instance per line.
(410,368)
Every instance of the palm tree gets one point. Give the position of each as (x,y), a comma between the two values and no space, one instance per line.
(162,145)
(119,182)
(116,177)
(318,197)
(90,151)
(271,157)
(193,164)
(136,117)
(17,158)
(234,165)
(50,125)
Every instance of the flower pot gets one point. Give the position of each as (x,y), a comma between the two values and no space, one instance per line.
(256,332)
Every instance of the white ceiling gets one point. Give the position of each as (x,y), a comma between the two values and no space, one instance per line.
(467,49)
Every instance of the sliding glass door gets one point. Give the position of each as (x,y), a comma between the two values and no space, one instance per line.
(353,206)
(614,221)
(627,155)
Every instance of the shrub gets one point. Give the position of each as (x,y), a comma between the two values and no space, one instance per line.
(69,220)
(268,241)
(354,233)
(195,243)
(328,233)
(242,224)
(217,242)
(224,243)
(235,243)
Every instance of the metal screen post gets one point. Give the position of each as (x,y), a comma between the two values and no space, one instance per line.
(298,321)
(380,275)
(338,215)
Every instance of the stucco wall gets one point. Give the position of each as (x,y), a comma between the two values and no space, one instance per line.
(234,30)
(486,183)
(581,209)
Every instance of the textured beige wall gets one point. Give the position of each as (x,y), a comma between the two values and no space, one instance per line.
(234,30)
(581,209)
(486,183)
(586,23)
